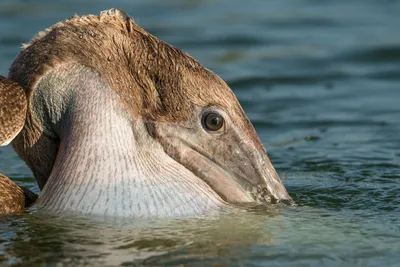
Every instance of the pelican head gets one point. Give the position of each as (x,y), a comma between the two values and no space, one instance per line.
(119,123)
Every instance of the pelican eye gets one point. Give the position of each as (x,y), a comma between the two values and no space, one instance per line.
(213,122)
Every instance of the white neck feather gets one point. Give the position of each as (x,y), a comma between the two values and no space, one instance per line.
(108,165)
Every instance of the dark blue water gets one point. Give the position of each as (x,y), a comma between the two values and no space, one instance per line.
(320,81)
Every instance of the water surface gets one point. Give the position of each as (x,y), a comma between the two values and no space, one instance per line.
(320,82)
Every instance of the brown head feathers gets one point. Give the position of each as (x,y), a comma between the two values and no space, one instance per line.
(154,80)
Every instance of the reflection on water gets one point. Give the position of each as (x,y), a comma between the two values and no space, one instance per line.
(261,237)
(39,238)
(320,82)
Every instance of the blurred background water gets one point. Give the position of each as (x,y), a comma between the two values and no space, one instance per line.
(320,82)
